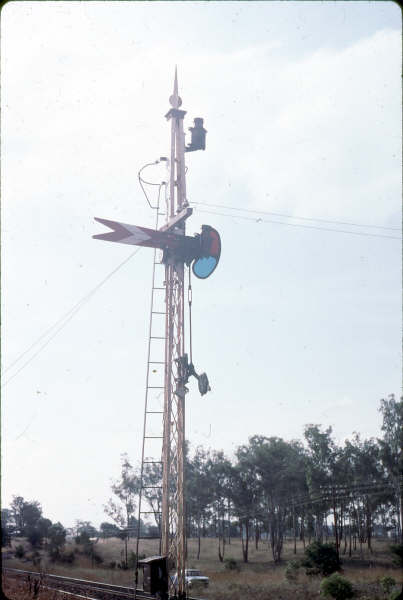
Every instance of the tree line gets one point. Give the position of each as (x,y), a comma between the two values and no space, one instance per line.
(272,490)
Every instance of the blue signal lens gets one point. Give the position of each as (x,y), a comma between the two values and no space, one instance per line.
(203,267)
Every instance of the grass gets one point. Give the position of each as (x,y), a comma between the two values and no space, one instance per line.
(259,579)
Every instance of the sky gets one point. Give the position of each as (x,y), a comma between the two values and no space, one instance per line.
(301,321)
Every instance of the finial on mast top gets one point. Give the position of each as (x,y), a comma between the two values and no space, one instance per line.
(175,100)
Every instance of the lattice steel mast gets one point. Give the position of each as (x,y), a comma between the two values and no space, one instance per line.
(201,253)
(173,500)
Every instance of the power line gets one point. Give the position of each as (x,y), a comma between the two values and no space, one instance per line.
(62,321)
(275,214)
(389,237)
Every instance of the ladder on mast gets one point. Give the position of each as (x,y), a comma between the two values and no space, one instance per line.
(151,453)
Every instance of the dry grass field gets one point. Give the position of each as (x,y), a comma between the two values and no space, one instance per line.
(259,579)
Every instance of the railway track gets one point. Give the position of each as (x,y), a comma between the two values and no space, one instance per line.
(79,588)
(94,590)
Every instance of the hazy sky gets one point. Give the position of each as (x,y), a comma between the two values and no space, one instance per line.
(297,325)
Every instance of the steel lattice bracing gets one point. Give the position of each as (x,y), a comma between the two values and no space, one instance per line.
(173,508)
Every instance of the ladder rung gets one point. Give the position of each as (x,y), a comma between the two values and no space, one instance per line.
(159,288)
(153,437)
(150,512)
(158,312)
(154,412)
(155,387)
(152,462)
(153,537)
(154,487)
(157,337)
(156,362)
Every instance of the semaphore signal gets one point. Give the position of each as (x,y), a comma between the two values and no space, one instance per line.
(200,253)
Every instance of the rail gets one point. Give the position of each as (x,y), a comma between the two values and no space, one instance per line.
(98,589)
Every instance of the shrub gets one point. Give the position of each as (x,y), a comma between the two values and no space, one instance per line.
(337,587)
(397,595)
(387,583)
(321,559)
(36,558)
(397,551)
(67,557)
(112,564)
(97,558)
(231,564)
(131,560)
(19,551)
(53,553)
(34,537)
(292,570)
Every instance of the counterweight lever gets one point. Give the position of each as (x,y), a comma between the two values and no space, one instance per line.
(187,369)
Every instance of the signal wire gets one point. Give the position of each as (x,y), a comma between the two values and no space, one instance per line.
(275,214)
(362,233)
(63,321)
(70,313)
(141,181)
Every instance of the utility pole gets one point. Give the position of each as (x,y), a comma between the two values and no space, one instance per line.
(173,503)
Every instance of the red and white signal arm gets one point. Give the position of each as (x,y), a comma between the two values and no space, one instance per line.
(210,253)
(203,249)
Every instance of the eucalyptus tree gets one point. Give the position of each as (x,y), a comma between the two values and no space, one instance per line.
(244,495)
(278,470)
(364,485)
(321,456)
(121,507)
(219,474)
(198,491)
(391,445)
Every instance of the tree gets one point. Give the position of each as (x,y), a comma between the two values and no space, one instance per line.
(217,480)
(6,527)
(109,530)
(198,490)
(34,537)
(57,538)
(85,530)
(321,457)
(244,494)
(125,490)
(391,446)
(321,558)
(275,473)
(152,492)
(43,526)
(337,587)
(25,514)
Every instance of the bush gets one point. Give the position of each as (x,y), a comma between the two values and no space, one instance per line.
(112,564)
(34,537)
(397,551)
(67,557)
(231,564)
(36,558)
(53,553)
(397,595)
(292,570)
(131,560)
(19,551)
(387,583)
(321,559)
(97,558)
(337,587)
